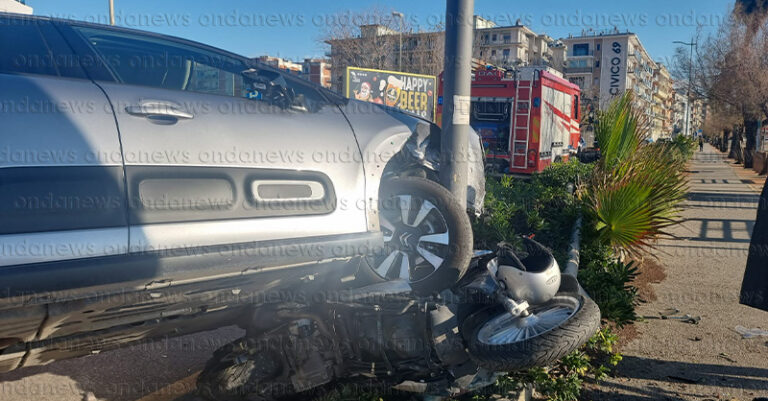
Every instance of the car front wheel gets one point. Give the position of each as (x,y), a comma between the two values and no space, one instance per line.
(427,235)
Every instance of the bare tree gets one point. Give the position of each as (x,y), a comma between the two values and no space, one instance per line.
(731,73)
(371,39)
(362,39)
(426,53)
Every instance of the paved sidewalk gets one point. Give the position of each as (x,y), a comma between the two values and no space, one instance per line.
(673,360)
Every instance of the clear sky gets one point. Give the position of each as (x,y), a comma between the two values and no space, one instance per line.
(293,28)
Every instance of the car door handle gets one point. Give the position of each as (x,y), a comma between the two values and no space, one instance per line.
(160,111)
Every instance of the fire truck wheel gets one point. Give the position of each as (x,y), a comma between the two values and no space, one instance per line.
(427,236)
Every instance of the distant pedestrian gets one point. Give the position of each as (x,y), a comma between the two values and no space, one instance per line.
(701,144)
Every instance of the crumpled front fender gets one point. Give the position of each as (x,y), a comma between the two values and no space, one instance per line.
(384,133)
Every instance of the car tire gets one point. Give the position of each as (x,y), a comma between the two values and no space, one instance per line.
(445,215)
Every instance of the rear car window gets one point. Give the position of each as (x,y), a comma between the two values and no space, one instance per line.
(23,49)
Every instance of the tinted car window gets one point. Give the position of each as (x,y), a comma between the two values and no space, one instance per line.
(148,61)
(23,48)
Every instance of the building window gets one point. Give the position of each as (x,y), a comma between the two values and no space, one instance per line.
(505,54)
(598,46)
(507,38)
(581,49)
(597,64)
(493,38)
(493,53)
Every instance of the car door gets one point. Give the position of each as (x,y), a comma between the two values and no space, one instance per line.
(62,194)
(212,155)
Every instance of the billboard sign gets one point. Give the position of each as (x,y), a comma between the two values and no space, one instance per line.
(413,93)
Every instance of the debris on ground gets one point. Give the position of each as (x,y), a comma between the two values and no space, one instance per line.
(751,333)
(726,357)
(671,314)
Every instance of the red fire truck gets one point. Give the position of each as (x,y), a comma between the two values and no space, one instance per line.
(527,119)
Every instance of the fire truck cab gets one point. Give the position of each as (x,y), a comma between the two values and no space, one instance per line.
(527,119)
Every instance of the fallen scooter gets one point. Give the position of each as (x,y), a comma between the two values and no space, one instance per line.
(512,310)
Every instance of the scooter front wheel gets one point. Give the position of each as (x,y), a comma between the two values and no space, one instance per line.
(500,341)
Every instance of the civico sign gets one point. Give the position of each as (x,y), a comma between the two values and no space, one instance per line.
(613,74)
(615,69)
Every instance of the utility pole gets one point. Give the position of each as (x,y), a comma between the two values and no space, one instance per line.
(400,37)
(688,106)
(457,78)
(111,12)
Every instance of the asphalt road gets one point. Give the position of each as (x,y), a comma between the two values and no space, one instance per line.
(158,371)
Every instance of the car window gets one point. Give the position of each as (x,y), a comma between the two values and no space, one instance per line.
(148,61)
(23,48)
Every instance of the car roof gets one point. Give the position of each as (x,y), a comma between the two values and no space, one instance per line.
(119,29)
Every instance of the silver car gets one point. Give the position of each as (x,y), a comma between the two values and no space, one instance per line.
(151,185)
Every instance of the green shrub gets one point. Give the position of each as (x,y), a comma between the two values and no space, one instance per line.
(541,205)
(636,188)
(683,147)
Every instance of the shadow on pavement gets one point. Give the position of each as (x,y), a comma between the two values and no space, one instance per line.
(123,374)
(677,380)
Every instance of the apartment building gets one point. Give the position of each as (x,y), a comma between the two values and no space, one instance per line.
(281,63)
(606,64)
(422,52)
(516,45)
(663,103)
(15,6)
(317,70)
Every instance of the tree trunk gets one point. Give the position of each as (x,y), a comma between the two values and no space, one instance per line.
(724,142)
(750,131)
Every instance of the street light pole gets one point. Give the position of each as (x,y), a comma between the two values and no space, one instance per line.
(688,107)
(454,144)
(400,37)
(111,12)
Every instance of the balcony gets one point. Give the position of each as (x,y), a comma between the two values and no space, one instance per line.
(578,70)
(500,41)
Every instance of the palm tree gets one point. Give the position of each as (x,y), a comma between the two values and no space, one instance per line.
(636,188)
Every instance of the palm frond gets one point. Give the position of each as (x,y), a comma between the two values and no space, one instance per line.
(636,189)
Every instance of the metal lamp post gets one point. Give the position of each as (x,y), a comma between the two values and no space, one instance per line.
(399,49)
(456,97)
(688,106)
